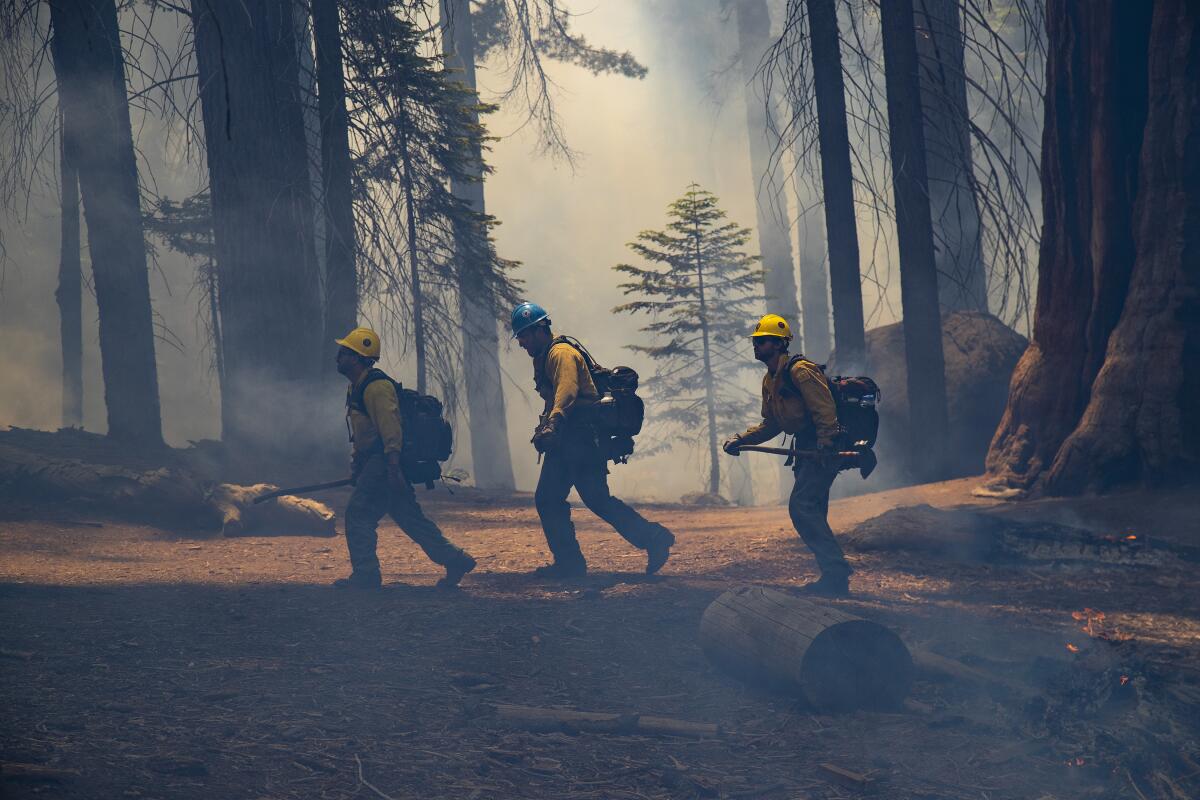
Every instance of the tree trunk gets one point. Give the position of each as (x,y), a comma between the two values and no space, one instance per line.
(1118,298)
(481,345)
(710,393)
(770,201)
(410,210)
(834,660)
(962,282)
(1096,78)
(837,181)
(70,287)
(268,279)
(90,69)
(814,282)
(341,281)
(914,233)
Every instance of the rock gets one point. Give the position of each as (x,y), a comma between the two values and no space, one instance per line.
(980,352)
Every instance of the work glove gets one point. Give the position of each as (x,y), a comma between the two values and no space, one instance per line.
(731,445)
(546,436)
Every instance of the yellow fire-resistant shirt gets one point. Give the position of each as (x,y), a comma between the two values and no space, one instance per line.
(808,410)
(381,422)
(561,377)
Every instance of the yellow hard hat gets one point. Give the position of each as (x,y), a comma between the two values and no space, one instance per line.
(363,341)
(772,325)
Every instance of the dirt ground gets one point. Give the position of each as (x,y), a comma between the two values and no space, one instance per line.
(140,662)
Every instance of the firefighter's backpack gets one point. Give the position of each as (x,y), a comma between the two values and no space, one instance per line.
(428,437)
(618,415)
(856,399)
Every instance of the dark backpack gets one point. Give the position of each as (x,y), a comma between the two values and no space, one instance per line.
(618,415)
(855,399)
(428,437)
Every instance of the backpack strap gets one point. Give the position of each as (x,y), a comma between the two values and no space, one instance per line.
(787,371)
(355,398)
(571,341)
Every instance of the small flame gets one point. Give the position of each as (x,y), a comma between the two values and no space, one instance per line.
(1094,619)
(1130,538)
(1072,648)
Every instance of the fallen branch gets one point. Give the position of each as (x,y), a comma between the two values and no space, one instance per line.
(364,782)
(559,719)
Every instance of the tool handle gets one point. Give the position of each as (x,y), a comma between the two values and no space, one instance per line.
(315,487)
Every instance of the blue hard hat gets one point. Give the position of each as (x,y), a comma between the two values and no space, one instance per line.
(527,315)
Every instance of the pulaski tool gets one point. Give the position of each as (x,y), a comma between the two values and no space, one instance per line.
(863,458)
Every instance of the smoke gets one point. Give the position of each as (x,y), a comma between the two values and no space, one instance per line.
(640,143)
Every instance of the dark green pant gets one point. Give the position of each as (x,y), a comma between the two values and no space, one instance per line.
(373,498)
(809,509)
(585,468)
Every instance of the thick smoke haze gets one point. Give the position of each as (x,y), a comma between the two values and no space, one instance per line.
(640,143)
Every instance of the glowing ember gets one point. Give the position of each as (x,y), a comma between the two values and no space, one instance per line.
(1124,679)
(1072,648)
(1094,619)
(1130,538)
(1078,761)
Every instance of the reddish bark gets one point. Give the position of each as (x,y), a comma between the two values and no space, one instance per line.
(1102,395)
(1143,420)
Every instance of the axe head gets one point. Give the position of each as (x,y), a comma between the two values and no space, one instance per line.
(866,462)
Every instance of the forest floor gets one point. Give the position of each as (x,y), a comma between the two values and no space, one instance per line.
(141,662)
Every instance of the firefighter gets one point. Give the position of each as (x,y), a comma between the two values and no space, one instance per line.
(573,453)
(376,436)
(802,405)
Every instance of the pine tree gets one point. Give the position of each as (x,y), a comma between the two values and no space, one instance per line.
(415,129)
(700,289)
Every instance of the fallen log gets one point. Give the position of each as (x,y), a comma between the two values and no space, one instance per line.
(832,659)
(243,515)
(547,720)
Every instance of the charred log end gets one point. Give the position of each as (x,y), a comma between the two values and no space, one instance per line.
(835,661)
(856,664)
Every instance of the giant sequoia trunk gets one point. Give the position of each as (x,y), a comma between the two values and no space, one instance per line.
(262,219)
(926,378)
(774,241)
(90,68)
(837,181)
(962,282)
(69,294)
(1106,392)
(481,345)
(341,283)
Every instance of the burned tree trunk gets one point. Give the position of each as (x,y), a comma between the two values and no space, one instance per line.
(962,282)
(490,455)
(770,202)
(1096,115)
(262,217)
(90,68)
(837,181)
(834,660)
(1142,419)
(914,234)
(70,287)
(341,281)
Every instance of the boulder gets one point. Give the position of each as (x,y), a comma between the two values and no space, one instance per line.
(980,352)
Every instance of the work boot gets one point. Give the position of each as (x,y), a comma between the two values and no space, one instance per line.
(359,580)
(659,549)
(455,573)
(827,586)
(562,570)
